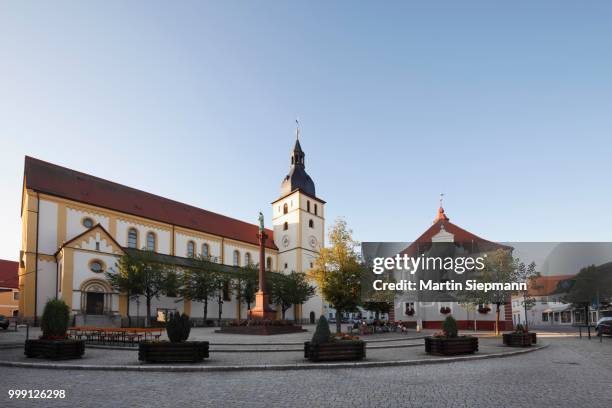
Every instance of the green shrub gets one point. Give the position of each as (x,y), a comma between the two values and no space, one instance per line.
(450,326)
(178,327)
(55,318)
(519,328)
(321,334)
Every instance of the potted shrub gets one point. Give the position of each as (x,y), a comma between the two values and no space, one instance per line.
(325,347)
(448,342)
(178,349)
(520,337)
(54,344)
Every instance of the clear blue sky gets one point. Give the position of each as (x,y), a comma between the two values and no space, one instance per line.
(506,108)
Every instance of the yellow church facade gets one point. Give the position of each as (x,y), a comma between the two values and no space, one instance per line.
(75,227)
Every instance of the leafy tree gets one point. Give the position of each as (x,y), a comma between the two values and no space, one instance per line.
(139,273)
(500,267)
(338,271)
(200,283)
(291,289)
(126,279)
(246,285)
(527,274)
(222,286)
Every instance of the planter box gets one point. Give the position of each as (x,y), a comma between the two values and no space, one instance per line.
(453,346)
(54,349)
(534,338)
(168,352)
(335,351)
(518,340)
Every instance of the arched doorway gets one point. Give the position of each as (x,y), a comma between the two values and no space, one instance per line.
(95,297)
(312,317)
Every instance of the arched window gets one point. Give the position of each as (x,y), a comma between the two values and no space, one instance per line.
(285,226)
(190,249)
(285,208)
(308,205)
(132,238)
(269,263)
(150,241)
(205,249)
(247,259)
(236,258)
(315,209)
(311,223)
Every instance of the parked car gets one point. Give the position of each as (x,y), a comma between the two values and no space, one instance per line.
(4,322)
(604,325)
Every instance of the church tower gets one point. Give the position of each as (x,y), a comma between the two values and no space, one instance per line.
(298,217)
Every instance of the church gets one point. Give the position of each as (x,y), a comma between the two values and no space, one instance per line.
(76,226)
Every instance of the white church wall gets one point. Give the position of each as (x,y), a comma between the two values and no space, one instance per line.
(74,221)
(45,282)
(47,227)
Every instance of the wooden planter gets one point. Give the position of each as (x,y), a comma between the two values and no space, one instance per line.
(451,346)
(518,340)
(335,351)
(168,352)
(54,349)
(534,338)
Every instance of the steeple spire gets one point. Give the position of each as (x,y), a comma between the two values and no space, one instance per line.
(297,177)
(441,216)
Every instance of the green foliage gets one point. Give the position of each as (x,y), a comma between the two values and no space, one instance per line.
(519,328)
(247,284)
(338,271)
(200,284)
(321,334)
(55,318)
(178,327)
(450,326)
(292,289)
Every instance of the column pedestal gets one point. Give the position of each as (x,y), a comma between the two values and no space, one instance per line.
(262,309)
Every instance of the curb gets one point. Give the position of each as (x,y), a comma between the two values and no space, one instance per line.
(275,367)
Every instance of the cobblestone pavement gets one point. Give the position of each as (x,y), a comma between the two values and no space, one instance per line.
(569,373)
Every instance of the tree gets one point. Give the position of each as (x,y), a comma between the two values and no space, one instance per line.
(500,267)
(155,279)
(291,289)
(528,275)
(200,283)
(338,271)
(246,285)
(222,290)
(126,279)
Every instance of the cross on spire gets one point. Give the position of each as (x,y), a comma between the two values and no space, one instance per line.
(441,198)
(297,128)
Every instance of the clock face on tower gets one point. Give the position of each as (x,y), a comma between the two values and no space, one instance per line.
(312,241)
(285,241)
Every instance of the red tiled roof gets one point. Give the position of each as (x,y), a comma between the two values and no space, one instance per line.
(62,182)
(461,236)
(546,285)
(9,274)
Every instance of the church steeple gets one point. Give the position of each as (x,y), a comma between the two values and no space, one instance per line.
(297,177)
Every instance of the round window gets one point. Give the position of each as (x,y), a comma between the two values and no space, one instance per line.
(88,222)
(96,266)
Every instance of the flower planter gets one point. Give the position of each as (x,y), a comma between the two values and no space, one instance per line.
(54,349)
(451,346)
(261,330)
(168,352)
(335,351)
(518,339)
(534,338)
